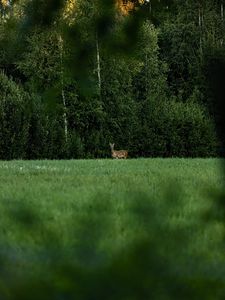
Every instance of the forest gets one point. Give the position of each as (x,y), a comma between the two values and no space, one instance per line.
(78,75)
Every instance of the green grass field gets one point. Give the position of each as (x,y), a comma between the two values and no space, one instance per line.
(91,210)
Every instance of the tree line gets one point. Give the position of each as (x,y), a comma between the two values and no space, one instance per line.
(77,76)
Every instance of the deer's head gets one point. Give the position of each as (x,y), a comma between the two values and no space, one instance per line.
(111,146)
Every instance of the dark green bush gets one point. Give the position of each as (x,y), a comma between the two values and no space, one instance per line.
(172,128)
(189,131)
(14,124)
(75,146)
(36,147)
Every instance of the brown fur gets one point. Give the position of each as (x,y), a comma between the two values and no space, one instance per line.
(118,154)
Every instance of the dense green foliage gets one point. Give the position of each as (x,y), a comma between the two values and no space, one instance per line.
(108,229)
(143,83)
(13,119)
(152,81)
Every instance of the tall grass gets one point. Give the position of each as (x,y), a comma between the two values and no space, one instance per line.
(152,222)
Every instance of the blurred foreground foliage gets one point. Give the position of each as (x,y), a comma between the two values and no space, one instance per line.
(154,263)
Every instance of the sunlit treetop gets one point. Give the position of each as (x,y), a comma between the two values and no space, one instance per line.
(4,6)
(69,15)
(126,6)
(69,9)
(4,3)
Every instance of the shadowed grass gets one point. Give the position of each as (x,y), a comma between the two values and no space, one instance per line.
(145,218)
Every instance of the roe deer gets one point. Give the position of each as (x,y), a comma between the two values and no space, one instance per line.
(118,153)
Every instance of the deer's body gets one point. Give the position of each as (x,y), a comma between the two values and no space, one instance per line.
(118,153)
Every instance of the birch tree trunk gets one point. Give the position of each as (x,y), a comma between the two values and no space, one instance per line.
(62,89)
(150,7)
(222,17)
(98,65)
(222,10)
(200,23)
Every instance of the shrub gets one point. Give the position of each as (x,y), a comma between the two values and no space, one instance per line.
(189,131)
(13,120)
(176,129)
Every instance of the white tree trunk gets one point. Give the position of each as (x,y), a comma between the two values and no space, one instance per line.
(222,10)
(150,6)
(98,65)
(222,17)
(200,23)
(62,90)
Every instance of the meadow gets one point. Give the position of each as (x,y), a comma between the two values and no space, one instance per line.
(91,211)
